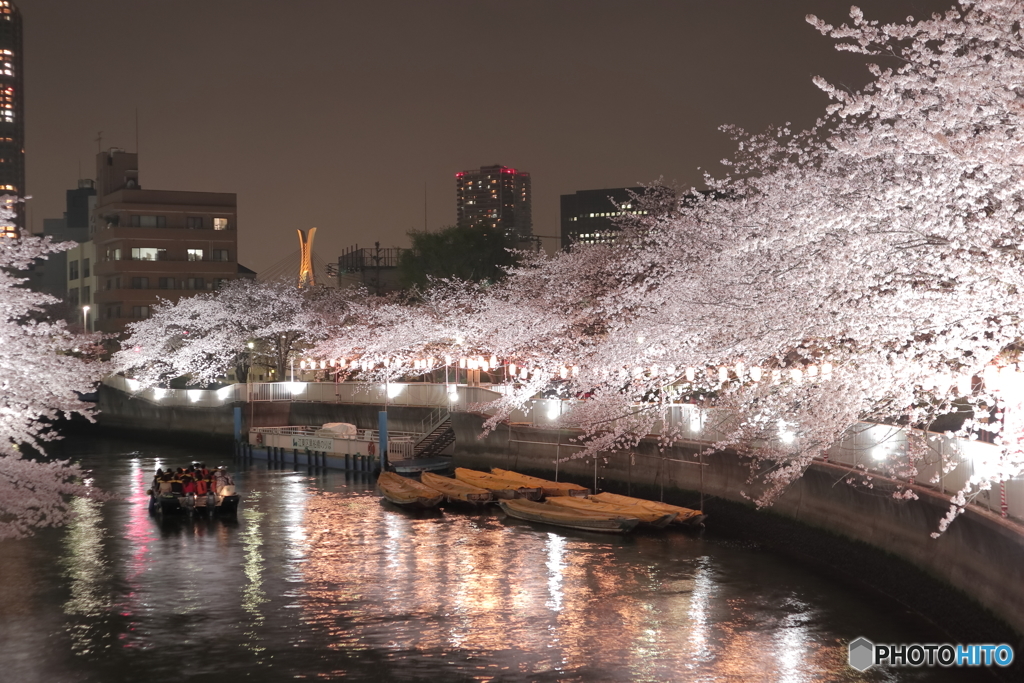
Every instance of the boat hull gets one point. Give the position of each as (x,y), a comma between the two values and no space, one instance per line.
(501,488)
(541,513)
(651,518)
(684,516)
(456,491)
(407,493)
(550,489)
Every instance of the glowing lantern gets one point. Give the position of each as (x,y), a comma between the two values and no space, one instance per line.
(670,370)
(654,370)
(826,370)
(796,375)
(690,374)
(755,374)
(494,361)
(447,359)
(963,385)
(739,371)
(323,364)
(575,371)
(723,374)
(563,372)
(302,364)
(812,370)
(463,363)
(512,369)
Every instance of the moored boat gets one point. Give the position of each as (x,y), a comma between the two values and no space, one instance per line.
(550,488)
(455,490)
(546,513)
(659,520)
(502,488)
(685,516)
(407,492)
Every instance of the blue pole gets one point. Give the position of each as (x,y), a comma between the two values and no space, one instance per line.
(382,427)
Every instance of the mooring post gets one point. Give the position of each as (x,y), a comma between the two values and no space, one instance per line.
(382,427)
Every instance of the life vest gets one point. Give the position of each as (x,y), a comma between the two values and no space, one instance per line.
(201,487)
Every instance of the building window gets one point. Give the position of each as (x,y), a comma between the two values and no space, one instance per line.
(148,254)
(113,283)
(219,255)
(220,223)
(194,222)
(86,295)
(85,268)
(140,283)
(167,283)
(140,312)
(138,221)
(114,254)
(195,283)
(114,311)
(219,282)
(73,270)
(73,296)
(195,254)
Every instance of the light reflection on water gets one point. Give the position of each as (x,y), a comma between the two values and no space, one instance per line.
(318,578)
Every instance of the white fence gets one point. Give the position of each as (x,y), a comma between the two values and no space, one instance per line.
(867,444)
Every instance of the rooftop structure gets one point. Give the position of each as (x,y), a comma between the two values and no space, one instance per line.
(495,196)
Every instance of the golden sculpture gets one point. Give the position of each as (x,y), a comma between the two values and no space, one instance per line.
(306,278)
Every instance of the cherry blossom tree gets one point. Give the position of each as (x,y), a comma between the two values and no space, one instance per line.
(42,373)
(206,335)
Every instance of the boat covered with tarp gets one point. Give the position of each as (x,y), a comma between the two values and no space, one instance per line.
(684,516)
(546,513)
(500,487)
(646,516)
(455,490)
(407,492)
(550,488)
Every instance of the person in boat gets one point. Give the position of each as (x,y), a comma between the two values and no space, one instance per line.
(176,483)
(188,484)
(165,483)
(157,477)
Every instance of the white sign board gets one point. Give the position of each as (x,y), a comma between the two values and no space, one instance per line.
(312,443)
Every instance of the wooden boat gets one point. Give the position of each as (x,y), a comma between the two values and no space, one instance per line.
(659,520)
(550,488)
(502,488)
(686,516)
(546,513)
(455,490)
(407,492)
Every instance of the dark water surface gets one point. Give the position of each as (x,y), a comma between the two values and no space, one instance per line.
(317,579)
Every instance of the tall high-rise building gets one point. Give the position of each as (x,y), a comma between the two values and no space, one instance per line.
(589,216)
(12,112)
(495,196)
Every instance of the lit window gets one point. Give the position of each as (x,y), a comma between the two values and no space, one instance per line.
(195,254)
(220,223)
(148,254)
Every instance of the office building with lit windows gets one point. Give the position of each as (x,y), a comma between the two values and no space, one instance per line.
(150,244)
(12,112)
(495,196)
(589,216)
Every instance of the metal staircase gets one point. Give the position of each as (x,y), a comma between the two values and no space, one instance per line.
(438,439)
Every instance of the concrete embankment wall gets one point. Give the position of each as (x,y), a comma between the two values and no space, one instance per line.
(819,518)
(122,412)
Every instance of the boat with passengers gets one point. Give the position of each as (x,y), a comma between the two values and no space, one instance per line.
(194,490)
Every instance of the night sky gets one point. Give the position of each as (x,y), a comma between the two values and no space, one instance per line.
(337,114)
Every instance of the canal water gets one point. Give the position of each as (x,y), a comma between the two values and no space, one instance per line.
(318,579)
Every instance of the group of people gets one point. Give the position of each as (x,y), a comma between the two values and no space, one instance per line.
(196,480)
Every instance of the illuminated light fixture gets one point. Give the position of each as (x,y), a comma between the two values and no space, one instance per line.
(431,362)
(482,363)
(323,364)
(739,371)
(812,370)
(512,369)
(295,387)
(195,394)
(494,362)
(332,362)
(575,371)
(879,452)
(670,370)
(473,364)
(463,363)
(341,363)
(447,359)
(755,374)
(796,375)
(459,340)
(302,364)
(640,340)
(387,362)
(225,392)
(826,370)
(132,384)
(942,382)
(785,435)
(637,371)
(312,363)
(159,393)
(394,390)
(723,374)
(251,345)
(554,409)
(963,385)
(690,374)
(453,394)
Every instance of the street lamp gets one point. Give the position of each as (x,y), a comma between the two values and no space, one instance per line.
(85,318)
